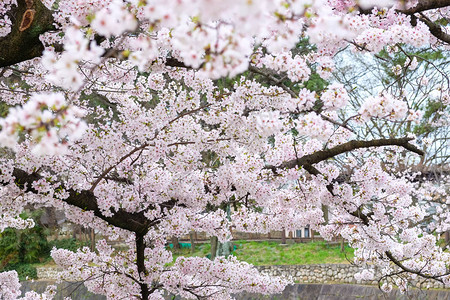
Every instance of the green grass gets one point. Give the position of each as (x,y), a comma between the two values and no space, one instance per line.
(271,253)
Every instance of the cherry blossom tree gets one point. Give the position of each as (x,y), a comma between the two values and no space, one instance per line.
(421,81)
(115,105)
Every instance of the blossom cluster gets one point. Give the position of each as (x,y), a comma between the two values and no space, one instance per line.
(384,106)
(63,70)
(48,120)
(335,97)
(5,22)
(208,116)
(10,286)
(217,279)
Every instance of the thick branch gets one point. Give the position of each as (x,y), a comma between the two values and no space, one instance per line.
(319,156)
(23,43)
(307,161)
(423,5)
(86,200)
(436,30)
(409,270)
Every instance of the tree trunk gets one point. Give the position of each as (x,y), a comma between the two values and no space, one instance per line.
(175,243)
(283,237)
(140,261)
(52,221)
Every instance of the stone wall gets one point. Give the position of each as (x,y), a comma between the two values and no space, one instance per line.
(47,273)
(330,273)
(323,273)
(320,273)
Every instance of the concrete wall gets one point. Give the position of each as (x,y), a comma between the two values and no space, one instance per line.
(345,292)
(75,290)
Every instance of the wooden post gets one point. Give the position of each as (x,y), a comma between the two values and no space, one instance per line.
(214,242)
(92,234)
(191,237)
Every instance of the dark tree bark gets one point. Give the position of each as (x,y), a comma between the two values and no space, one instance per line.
(140,261)
(23,43)
(307,161)
(86,200)
(175,243)
(423,5)
(92,238)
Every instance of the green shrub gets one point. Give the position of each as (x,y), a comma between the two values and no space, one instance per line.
(68,244)
(24,246)
(21,248)
(25,271)
(9,248)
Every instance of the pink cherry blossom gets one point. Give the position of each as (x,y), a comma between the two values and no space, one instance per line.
(145,120)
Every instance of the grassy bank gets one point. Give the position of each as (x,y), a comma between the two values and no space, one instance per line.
(272,253)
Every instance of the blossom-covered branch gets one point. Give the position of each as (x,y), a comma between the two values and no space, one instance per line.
(322,155)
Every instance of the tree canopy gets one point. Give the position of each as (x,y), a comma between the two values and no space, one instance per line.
(146,119)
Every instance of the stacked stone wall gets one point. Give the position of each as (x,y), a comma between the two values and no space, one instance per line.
(319,273)
(331,273)
(47,273)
